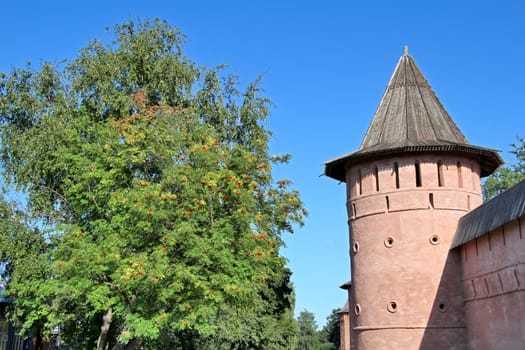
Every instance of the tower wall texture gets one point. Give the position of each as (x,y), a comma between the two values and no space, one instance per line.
(406,287)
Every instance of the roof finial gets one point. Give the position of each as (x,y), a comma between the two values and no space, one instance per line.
(405,51)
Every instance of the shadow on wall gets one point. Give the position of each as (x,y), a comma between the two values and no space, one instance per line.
(446,325)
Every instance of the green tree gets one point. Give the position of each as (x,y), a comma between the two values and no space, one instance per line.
(307,338)
(330,334)
(153,179)
(507,175)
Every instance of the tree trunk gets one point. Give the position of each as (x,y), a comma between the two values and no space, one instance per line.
(132,345)
(102,343)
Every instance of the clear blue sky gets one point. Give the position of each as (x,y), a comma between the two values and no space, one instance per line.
(326,65)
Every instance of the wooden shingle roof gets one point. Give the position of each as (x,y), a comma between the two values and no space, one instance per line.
(410,118)
(410,112)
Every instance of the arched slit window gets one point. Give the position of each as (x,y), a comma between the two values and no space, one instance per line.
(441,179)
(396,174)
(418,174)
(376,175)
(460,175)
(359,182)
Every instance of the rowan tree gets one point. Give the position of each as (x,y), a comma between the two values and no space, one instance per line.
(153,180)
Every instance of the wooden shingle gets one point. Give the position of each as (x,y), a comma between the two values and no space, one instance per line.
(410,118)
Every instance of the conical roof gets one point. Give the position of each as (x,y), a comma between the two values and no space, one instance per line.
(410,118)
(410,112)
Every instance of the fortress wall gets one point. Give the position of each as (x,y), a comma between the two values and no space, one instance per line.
(494,287)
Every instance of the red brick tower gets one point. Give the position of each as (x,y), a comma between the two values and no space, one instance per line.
(411,180)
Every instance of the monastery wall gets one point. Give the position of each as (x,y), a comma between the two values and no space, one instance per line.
(494,287)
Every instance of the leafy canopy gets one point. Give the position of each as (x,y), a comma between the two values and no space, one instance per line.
(508,175)
(153,180)
(308,337)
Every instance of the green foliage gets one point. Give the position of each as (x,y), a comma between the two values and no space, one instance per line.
(23,255)
(307,338)
(508,175)
(310,338)
(155,179)
(330,334)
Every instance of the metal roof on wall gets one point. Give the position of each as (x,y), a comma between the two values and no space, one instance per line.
(506,207)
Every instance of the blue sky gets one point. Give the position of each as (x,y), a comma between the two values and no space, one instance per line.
(326,65)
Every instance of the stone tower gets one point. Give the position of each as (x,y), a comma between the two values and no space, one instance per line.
(411,180)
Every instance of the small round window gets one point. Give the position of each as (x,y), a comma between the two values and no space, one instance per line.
(357,309)
(392,306)
(442,307)
(389,242)
(355,247)
(434,240)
